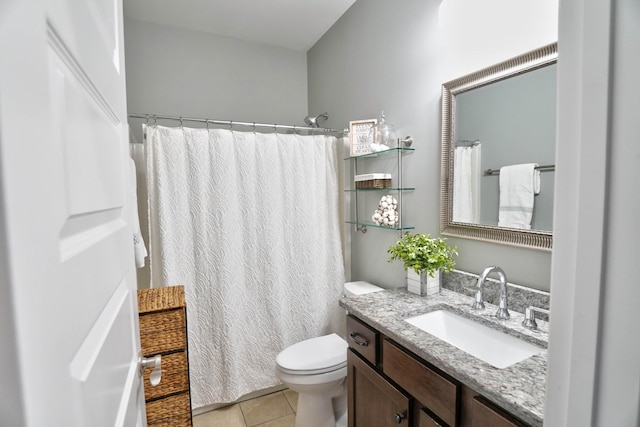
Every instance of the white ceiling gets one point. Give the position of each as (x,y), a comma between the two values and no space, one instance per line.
(292,24)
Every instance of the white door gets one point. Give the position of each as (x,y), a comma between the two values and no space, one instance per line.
(68,310)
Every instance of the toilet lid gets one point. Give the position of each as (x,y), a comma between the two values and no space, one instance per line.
(315,355)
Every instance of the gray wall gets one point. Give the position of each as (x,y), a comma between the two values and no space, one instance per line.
(193,74)
(395,56)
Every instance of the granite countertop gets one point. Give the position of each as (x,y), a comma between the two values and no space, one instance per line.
(519,389)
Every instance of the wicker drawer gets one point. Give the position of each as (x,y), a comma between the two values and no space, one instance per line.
(162,332)
(177,421)
(437,392)
(162,342)
(162,321)
(362,339)
(171,411)
(175,377)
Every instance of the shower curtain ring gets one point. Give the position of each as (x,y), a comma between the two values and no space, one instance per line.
(207,121)
(155,120)
(231,125)
(254,127)
(181,124)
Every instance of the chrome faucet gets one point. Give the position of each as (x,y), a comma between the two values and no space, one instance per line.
(503,312)
(530,317)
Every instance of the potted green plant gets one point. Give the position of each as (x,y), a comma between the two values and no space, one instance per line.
(424,259)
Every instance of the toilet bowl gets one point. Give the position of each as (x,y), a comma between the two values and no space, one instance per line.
(317,369)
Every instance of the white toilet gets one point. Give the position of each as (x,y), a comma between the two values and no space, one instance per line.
(317,369)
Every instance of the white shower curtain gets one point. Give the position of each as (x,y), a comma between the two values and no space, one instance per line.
(466,184)
(249,224)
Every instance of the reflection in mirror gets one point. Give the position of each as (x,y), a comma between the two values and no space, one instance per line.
(513,122)
(501,117)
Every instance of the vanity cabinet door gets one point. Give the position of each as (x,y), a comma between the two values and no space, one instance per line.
(433,389)
(429,420)
(374,401)
(485,414)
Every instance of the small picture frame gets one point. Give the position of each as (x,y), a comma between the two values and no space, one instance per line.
(359,136)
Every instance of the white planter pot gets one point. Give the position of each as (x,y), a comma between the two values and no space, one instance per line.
(422,284)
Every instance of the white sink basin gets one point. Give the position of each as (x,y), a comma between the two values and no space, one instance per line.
(492,346)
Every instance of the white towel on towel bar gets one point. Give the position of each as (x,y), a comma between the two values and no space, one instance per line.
(518,186)
(139,248)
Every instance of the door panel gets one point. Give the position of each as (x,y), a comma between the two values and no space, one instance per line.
(102,363)
(92,32)
(88,131)
(67,243)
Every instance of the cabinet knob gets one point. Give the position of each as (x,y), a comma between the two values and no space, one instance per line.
(398,418)
(359,339)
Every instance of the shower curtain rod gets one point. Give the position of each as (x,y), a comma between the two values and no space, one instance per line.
(232,123)
(467,142)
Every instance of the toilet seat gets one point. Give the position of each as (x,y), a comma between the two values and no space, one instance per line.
(314,356)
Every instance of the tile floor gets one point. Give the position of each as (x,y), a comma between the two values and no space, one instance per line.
(273,410)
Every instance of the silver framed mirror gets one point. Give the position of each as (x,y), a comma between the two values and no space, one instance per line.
(540,236)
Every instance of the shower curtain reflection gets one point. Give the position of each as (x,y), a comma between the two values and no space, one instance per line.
(249,223)
(466,184)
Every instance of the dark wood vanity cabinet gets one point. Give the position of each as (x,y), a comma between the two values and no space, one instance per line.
(390,386)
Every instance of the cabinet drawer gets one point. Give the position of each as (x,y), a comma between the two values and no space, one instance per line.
(362,339)
(437,392)
(484,413)
(171,411)
(175,377)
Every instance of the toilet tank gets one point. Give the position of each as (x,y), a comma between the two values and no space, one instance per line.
(360,287)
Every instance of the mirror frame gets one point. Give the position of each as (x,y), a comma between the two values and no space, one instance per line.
(534,239)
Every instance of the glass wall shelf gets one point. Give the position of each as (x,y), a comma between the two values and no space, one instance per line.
(371,224)
(399,190)
(362,190)
(382,153)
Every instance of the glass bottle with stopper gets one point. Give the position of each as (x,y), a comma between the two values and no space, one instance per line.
(383,135)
